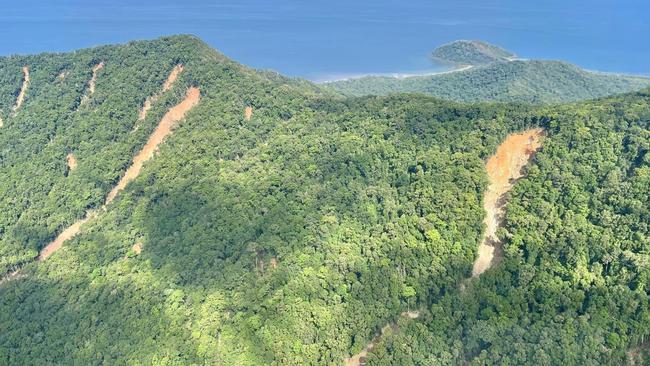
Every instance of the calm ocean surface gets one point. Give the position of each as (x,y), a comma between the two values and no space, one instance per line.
(323,40)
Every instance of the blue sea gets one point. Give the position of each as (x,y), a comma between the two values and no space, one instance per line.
(326,40)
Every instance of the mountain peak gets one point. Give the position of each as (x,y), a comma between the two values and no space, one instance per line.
(470,52)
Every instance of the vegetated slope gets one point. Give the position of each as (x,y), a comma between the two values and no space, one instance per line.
(287,238)
(292,238)
(514,81)
(473,53)
(39,194)
(572,288)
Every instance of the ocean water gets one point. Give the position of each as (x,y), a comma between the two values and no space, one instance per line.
(325,40)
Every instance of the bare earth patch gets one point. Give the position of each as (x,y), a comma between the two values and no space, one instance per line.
(165,127)
(503,169)
(23,89)
(248,113)
(360,358)
(171,79)
(71,161)
(69,233)
(92,82)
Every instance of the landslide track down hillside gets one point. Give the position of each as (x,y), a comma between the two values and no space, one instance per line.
(23,90)
(503,170)
(92,82)
(171,79)
(165,127)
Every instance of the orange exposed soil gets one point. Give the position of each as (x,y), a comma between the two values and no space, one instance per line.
(71,161)
(92,82)
(360,358)
(1,122)
(248,113)
(503,169)
(93,79)
(23,89)
(171,79)
(165,127)
(137,248)
(68,233)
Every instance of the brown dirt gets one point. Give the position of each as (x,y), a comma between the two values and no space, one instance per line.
(171,79)
(23,89)
(71,161)
(92,82)
(93,79)
(137,248)
(274,262)
(503,169)
(65,235)
(360,358)
(1,122)
(62,75)
(165,127)
(248,113)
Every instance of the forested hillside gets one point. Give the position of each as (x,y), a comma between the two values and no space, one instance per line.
(573,287)
(536,82)
(470,53)
(281,224)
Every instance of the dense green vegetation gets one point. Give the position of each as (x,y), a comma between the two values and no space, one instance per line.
(470,53)
(39,196)
(293,237)
(573,288)
(516,81)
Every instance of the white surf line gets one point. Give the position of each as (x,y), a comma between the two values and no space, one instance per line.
(398,75)
(23,90)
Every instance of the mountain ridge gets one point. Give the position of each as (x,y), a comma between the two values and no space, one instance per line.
(281,223)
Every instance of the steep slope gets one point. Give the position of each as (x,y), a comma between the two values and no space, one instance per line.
(281,225)
(258,236)
(39,194)
(504,168)
(571,288)
(514,81)
(474,53)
